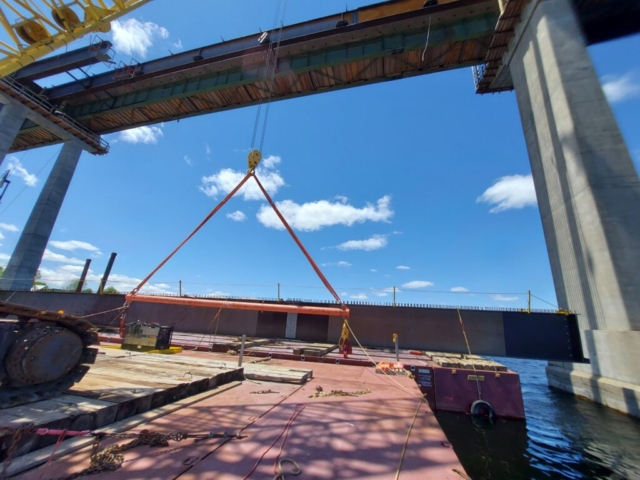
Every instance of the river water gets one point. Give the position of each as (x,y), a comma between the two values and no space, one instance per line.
(563,437)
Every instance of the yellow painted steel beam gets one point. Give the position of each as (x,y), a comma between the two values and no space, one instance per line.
(47,34)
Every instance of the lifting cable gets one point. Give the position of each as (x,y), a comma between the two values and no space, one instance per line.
(466,340)
(270,69)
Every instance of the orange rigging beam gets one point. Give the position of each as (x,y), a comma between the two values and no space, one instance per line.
(237,305)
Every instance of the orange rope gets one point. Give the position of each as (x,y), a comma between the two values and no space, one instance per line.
(250,173)
(206,219)
(297,240)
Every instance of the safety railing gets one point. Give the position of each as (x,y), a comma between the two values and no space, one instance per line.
(77,129)
(478,74)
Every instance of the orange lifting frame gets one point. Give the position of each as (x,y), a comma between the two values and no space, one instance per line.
(236,305)
(342,311)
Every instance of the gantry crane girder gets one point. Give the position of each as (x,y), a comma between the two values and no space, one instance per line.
(36,34)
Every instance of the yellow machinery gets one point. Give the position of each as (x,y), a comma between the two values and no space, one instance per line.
(37,33)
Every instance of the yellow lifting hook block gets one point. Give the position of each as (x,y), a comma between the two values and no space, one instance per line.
(255,156)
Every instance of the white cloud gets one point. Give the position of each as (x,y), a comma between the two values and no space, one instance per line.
(207,149)
(374,243)
(57,257)
(459,289)
(18,169)
(271,162)
(120,281)
(383,292)
(62,276)
(373,270)
(227,179)
(417,284)
(337,264)
(177,45)
(237,216)
(146,135)
(621,88)
(4,256)
(359,296)
(403,267)
(341,198)
(511,191)
(217,293)
(188,161)
(504,298)
(132,37)
(73,245)
(313,216)
(9,227)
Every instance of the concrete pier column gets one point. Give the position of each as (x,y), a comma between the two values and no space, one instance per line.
(27,255)
(589,198)
(11,119)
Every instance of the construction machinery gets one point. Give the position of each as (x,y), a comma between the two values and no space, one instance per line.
(42,353)
(35,34)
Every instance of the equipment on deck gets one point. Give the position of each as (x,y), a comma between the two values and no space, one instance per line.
(144,337)
(42,353)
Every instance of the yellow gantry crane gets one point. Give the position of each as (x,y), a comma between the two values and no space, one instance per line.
(42,26)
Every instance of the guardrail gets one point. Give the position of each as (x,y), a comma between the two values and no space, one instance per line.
(16,89)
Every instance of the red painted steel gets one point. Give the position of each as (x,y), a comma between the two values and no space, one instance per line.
(265,307)
(456,390)
(425,378)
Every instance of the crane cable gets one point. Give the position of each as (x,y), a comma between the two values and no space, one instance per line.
(270,68)
(255,157)
(466,340)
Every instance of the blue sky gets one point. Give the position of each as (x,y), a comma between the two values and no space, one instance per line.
(381,182)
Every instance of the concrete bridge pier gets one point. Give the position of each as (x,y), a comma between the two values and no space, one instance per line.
(589,197)
(12,117)
(25,260)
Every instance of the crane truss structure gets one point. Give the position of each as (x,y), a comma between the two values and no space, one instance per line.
(40,27)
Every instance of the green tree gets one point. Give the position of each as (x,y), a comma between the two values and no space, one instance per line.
(73,286)
(39,283)
(110,291)
(1,270)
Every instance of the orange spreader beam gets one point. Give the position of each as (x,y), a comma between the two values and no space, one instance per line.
(263,307)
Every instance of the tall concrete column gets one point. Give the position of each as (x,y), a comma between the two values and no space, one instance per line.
(27,255)
(589,198)
(11,119)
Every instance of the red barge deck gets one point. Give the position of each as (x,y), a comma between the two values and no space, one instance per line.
(380,429)
(449,382)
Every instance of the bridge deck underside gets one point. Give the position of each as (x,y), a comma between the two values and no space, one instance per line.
(457,38)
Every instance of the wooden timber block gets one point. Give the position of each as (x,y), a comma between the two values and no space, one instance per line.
(117,387)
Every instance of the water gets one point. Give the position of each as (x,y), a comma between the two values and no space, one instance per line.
(563,437)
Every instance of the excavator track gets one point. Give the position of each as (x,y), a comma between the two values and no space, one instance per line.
(42,353)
